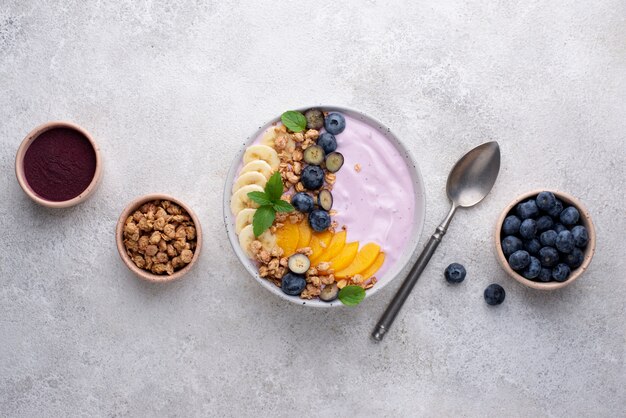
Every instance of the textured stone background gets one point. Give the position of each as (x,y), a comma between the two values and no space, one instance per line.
(170,90)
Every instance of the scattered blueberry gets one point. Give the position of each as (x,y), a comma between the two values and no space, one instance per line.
(532,246)
(559,227)
(325,199)
(565,242)
(548,238)
(494,294)
(546,201)
(575,258)
(527,209)
(528,228)
(560,272)
(314,155)
(533,269)
(511,225)
(293,284)
(302,202)
(544,223)
(334,161)
(569,216)
(334,123)
(298,263)
(556,209)
(329,292)
(312,177)
(511,244)
(548,256)
(545,275)
(327,142)
(319,220)
(455,273)
(314,119)
(519,260)
(581,236)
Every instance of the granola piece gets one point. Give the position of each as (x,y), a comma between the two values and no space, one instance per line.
(297,155)
(137,216)
(155,237)
(151,250)
(191,232)
(264,271)
(186,256)
(169,268)
(159,224)
(312,134)
(330,178)
(357,167)
(297,168)
(264,256)
(181,233)
(284,261)
(173,209)
(298,137)
(143,242)
(171,251)
(177,262)
(162,257)
(299,187)
(139,261)
(131,245)
(292,178)
(145,225)
(273,264)
(357,279)
(162,246)
(179,245)
(305,250)
(342,283)
(326,280)
(324,266)
(277,251)
(158,268)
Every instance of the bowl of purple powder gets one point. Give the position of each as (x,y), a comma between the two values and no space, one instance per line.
(58,164)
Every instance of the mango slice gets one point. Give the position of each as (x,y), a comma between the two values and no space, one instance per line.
(336,244)
(287,237)
(305,234)
(319,242)
(345,257)
(371,270)
(364,259)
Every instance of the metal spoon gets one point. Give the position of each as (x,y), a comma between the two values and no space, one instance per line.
(469,181)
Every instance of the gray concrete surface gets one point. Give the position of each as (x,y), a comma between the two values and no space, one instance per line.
(171,89)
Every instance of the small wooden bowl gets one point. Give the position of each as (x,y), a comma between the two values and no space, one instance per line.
(19,165)
(585,219)
(119,238)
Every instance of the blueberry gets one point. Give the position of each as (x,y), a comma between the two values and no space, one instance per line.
(312,177)
(548,256)
(511,225)
(314,119)
(548,238)
(455,273)
(533,269)
(556,209)
(527,209)
(528,228)
(319,220)
(519,260)
(560,272)
(293,284)
(575,258)
(532,246)
(545,275)
(544,223)
(327,142)
(494,294)
(545,201)
(303,202)
(511,244)
(565,242)
(581,236)
(335,123)
(569,216)
(559,227)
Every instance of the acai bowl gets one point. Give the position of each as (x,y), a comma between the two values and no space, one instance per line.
(357,217)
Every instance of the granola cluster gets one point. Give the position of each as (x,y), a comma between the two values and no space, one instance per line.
(160,237)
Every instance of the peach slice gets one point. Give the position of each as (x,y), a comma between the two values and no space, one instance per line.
(319,242)
(287,237)
(364,259)
(305,234)
(336,244)
(345,256)
(371,270)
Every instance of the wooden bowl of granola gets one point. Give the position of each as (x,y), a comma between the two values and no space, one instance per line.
(374,204)
(158,237)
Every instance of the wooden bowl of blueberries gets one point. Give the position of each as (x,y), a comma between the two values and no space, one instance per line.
(545,239)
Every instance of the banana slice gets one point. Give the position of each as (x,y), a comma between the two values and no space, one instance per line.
(262,152)
(244,218)
(251,177)
(240,200)
(246,237)
(259,166)
(270,135)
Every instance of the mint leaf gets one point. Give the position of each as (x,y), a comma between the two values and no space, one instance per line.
(294,121)
(274,187)
(282,206)
(262,219)
(351,295)
(260,198)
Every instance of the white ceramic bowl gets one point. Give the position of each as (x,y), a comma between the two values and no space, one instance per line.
(392,272)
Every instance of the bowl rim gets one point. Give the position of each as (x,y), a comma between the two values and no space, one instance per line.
(412,246)
(19,164)
(119,239)
(585,219)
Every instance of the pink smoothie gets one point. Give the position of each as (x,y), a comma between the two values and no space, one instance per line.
(376,204)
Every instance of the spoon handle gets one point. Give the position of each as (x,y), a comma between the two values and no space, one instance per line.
(405,289)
